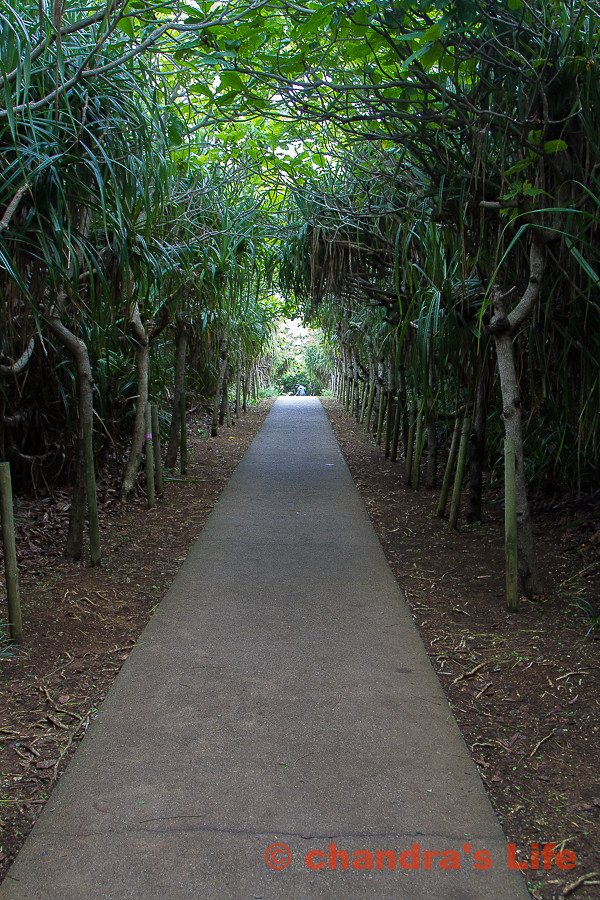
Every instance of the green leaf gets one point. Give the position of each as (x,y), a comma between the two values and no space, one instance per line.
(230,80)
(199,88)
(515,4)
(583,262)
(126,25)
(555,146)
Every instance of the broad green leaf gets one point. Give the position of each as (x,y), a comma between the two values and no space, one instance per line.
(555,146)
(231,80)
(126,25)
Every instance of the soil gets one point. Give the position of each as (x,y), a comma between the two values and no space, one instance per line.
(524,687)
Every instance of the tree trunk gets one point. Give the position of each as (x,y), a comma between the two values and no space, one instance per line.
(460,471)
(432,445)
(238,386)
(224,414)
(391,392)
(443,499)
(410,441)
(503,327)
(474,512)
(85,479)
(378,393)
(181,336)
(224,359)
(139,427)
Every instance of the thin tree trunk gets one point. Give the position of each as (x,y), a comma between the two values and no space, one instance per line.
(391,390)
(156,449)
(223,403)
(432,445)
(416,466)
(15,621)
(183,433)
(474,512)
(238,386)
(85,478)
(410,441)
(181,337)
(441,507)
(396,431)
(378,394)
(149,459)
(139,425)
(460,472)
(372,392)
(510,528)
(366,393)
(224,358)
(503,327)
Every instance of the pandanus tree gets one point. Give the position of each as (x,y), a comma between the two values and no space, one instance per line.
(85,170)
(497,106)
(68,167)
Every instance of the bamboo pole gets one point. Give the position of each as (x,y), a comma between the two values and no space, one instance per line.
(149,459)
(465,437)
(410,443)
(183,449)
(158,472)
(510,526)
(441,507)
(15,623)
(416,461)
(92,500)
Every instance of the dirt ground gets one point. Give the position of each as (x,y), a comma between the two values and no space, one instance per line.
(524,687)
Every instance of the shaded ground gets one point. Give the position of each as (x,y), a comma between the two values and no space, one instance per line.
(524,687)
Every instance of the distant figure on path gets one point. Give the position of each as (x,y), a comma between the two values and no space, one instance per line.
(301,391)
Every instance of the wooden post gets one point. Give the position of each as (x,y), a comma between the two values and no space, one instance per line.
(10,555)
(460,471)
(183,448)
(92,500)
(158,473)
(510,526)
(149,459)
(441,507)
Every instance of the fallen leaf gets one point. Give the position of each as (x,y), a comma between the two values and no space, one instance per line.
(46,763)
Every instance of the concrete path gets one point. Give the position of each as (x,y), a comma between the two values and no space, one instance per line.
(279,696)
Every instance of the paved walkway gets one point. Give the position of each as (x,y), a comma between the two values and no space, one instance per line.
(279,696)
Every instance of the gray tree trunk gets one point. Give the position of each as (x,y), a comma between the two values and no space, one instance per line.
(139,427)
(181,336)
(85,478)
(224,359)
(503,326)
